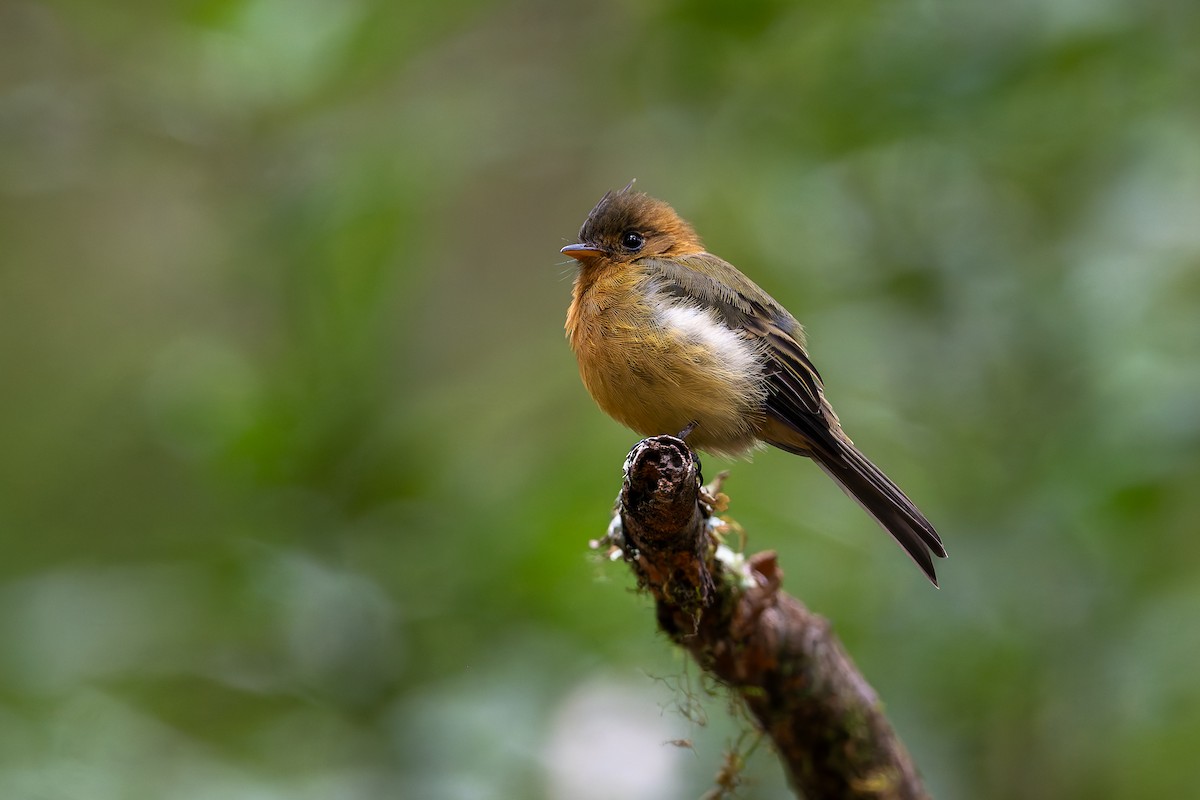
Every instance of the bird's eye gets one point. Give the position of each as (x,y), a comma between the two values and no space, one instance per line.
(632,241)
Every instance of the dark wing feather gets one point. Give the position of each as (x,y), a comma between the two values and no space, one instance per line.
(742,305)
(794,390)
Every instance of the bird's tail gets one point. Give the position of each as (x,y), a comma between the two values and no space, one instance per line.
(884,501)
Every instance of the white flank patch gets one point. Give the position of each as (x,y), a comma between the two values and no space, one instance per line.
(701,325)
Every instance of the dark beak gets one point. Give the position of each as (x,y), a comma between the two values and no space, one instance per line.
(580,251)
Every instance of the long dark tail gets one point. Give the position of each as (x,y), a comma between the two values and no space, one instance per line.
(884,501)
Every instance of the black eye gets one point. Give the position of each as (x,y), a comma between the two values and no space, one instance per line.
(632,241)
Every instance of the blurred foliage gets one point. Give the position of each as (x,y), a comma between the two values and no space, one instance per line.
(298,475)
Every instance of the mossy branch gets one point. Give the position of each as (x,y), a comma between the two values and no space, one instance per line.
(826,722)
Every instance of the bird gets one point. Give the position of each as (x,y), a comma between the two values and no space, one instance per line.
(670,339)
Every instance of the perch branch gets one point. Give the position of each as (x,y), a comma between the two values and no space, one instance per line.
(826,722)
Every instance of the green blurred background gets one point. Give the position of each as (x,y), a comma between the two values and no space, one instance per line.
(297,474)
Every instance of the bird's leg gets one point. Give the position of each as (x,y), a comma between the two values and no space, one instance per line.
(682,435)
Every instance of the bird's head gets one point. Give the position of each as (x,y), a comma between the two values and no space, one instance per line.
(627,225)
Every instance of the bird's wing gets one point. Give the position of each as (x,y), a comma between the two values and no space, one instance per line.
(795,396)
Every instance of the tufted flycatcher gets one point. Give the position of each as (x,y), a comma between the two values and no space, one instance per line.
(670,338)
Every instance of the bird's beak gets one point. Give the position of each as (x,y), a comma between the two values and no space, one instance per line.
(580,251)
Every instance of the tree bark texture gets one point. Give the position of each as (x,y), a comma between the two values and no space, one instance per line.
(826,722)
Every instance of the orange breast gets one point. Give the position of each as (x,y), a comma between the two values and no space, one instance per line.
(656,364)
